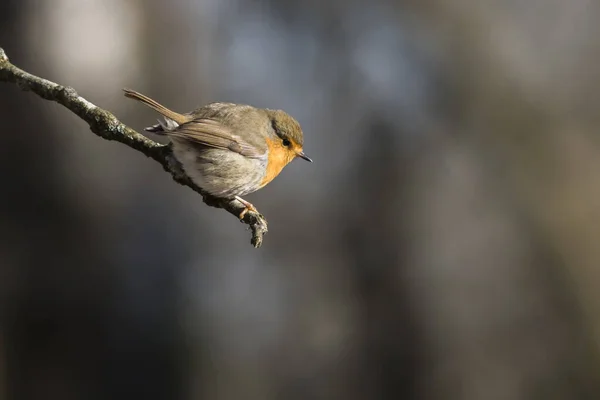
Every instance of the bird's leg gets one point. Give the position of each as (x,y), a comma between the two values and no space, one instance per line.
(249,206)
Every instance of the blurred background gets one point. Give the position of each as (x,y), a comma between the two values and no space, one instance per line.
(443,245)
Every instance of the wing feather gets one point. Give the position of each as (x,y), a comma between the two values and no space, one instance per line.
(211,133)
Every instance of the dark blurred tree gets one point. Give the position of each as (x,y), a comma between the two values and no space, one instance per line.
(66,330)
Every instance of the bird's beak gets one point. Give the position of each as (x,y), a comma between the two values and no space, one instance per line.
(304,156)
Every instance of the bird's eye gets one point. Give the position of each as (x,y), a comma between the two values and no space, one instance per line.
(286,142)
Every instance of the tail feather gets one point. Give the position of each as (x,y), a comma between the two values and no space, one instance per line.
(163,127)
(168,114)
(156,128)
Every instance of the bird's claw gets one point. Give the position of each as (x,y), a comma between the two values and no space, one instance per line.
(249,207)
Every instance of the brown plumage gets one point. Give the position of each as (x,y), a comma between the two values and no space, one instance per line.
(228,149)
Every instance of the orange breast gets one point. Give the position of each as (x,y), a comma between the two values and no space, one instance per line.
(279,157)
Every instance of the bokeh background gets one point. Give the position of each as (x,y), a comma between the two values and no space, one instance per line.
(445,243)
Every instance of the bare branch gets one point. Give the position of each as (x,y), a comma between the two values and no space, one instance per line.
(107,126)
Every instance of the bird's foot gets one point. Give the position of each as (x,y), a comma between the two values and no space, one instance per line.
(249,207)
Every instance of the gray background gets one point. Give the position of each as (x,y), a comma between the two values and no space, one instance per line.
(443,245)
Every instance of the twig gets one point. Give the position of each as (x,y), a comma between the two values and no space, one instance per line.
(107,126)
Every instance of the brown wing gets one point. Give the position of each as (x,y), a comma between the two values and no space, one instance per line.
(214,134)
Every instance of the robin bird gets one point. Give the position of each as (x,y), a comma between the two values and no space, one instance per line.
(229,150)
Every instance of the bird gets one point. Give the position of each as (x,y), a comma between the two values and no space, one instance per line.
(229,150)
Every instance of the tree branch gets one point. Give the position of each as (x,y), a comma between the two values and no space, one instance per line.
(107,126)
